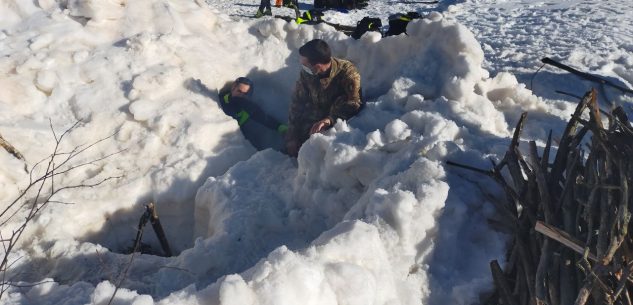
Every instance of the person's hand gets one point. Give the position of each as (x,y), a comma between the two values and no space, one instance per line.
(282,129)
(320,125)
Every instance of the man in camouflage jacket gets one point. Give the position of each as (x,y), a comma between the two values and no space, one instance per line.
(328,89)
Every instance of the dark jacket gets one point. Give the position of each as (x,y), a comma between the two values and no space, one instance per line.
(244,110)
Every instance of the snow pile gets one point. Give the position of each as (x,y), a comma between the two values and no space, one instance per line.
(376,186)
(367,213)
(516,35)
(125,78)
(14,11)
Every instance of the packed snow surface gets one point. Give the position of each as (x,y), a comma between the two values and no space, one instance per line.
(368,213)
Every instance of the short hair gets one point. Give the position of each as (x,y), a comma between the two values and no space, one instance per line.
(246,81)
(316,51)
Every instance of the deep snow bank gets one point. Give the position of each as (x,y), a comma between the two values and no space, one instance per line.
(375,185)
(357,220)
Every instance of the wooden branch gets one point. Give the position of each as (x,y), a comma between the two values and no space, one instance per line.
(570,216)
(605,224)
(583,195)
(513,156)
(526,261)
(139,230)
(567,138)
(563,238)
(10,149)
(623,280)
(585,75)
(583,295)
(620,225)
(541,182)
(517,130)
(471,168)
(546,151)
(158,229)
(150,215)
(541,283)
(501,284)
(554,279)
(595,110)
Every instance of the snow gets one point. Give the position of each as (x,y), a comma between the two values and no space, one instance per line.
(368,213)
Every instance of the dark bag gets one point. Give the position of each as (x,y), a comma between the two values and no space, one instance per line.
(366,24)
(398,23)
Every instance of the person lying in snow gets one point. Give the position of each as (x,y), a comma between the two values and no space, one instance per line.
(235,101)
(328,88)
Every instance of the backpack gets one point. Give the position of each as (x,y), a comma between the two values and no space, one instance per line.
(366,24)
(398,22)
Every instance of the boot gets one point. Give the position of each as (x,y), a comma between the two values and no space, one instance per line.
(259,14)
(268,12)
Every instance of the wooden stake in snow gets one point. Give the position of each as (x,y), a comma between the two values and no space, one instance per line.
(158,229)
(151,215)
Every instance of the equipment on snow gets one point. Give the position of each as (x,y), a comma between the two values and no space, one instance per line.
(366,24)
(310,17)
(398,22)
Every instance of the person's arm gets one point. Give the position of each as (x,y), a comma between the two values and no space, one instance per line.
(348,104)
(228,108)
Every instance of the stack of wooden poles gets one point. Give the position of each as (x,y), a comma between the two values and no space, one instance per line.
(569,219)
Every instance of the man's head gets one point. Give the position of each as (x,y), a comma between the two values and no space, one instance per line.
(315,56)
(242,87)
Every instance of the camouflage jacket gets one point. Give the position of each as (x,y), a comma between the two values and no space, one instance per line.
(334,96)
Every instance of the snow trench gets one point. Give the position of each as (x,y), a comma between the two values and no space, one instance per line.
(368,213)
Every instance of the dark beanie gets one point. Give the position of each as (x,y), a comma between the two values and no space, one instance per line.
(316,51)
(246,81)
